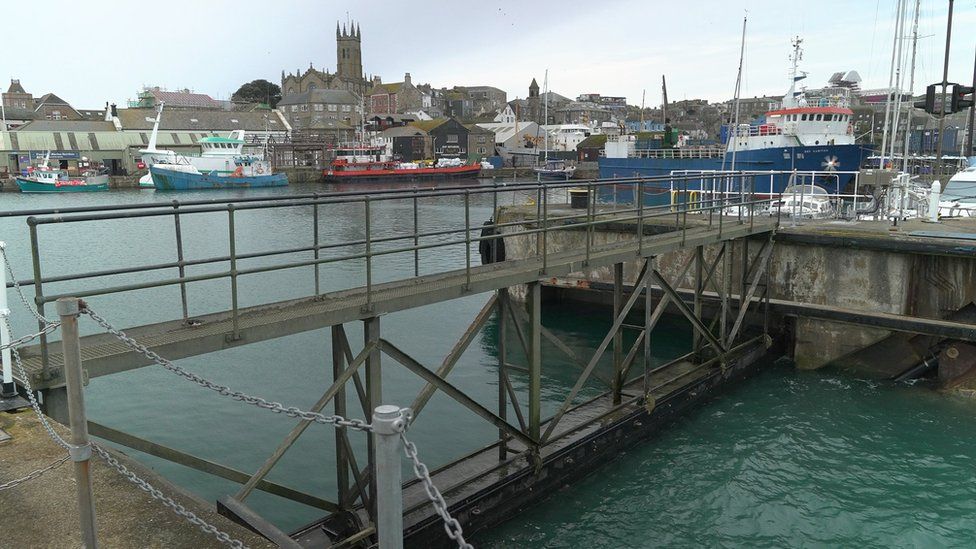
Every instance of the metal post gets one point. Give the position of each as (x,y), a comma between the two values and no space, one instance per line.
(648,302)
(68,309)
(388,423)
(502,359)
(467,240)
(179,257)
(38,293)
(8,389)
(369,256)
(315,241)
(640,217)
(416,236)
(945,85)
(339,402)
(233,272)
(535,358)
(618,336)
(590,215)
(545,230)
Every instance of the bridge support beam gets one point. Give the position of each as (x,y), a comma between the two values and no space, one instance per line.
(502,305)
(339,405)
(618,336)
(374,397)
(534,302)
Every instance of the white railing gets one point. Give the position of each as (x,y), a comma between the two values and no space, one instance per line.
(697,152)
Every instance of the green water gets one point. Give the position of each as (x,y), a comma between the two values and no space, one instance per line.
(785,459)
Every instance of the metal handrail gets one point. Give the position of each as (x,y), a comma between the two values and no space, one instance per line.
(546,221)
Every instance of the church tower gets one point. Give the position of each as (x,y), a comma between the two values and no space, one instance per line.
(349,56)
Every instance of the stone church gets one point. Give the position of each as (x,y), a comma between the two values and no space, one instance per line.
(349,68)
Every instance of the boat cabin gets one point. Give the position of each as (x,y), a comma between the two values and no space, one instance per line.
(221,146)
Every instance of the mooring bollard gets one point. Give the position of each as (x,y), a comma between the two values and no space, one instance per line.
(8,389)
(69,309)
(935,196)
(388,423)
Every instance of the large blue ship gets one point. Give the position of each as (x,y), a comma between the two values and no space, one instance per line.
(810,132)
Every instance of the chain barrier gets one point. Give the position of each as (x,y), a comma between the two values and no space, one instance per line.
(48,328)
(177,508)
(19,290)
(451,524)
(34,474)
(223,390)
(25,381)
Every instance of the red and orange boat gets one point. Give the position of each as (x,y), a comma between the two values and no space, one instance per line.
(371,164)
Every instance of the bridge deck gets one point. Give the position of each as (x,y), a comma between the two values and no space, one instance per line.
(103,354)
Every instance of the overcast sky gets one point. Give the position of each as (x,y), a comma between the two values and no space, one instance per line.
(108,50)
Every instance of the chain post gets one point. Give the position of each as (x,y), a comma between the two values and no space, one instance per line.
(236,334)
(545,230)
(8,389)
(179,257)
(68,309)
(388,424)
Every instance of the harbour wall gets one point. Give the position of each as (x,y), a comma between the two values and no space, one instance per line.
(815,263)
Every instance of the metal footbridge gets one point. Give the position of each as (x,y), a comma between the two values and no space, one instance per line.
(661,216)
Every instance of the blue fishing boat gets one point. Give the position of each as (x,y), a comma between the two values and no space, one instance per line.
(180,177)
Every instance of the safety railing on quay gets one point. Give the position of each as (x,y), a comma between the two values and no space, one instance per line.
(388,429)
(606,204)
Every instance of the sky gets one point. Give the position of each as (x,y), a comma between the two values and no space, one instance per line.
(109,50)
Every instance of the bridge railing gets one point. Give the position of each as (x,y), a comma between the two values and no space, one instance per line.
(727,198)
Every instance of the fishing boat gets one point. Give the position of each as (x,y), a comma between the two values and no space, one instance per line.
(555,170)
(249,174)
(217,154)
(809,131)
(46,180)
(363,163)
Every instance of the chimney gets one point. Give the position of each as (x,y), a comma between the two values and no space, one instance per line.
(406,78)
(115,111)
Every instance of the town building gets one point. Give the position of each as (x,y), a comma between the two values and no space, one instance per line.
(450,139)
(151,97)
(481,142)
(518,143)
(349,68)
(46,107)
(407,143)
(395,97)
(581,112)
(321,108)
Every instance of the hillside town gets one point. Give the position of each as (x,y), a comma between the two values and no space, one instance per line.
(320,108)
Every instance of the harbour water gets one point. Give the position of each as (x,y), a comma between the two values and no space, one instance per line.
(787,458)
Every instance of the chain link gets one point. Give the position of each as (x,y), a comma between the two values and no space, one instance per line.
(180,510)
(25,381)
(34,474)
(451,524)
(48,328)
(274,407)
(20,291)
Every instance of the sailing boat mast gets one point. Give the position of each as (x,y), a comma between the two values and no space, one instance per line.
(545,116)
(911,88)
(898,90)
(155,131)
(738,89)
(664,108)
(891,80)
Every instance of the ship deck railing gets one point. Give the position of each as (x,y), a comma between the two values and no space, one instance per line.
(697,152)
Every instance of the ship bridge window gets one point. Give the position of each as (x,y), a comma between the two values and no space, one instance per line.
(803,117)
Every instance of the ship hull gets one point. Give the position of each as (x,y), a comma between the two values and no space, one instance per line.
(843,158)
(28,186)
(171,180)
(402,176)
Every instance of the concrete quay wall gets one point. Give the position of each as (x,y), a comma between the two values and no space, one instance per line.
(863,269)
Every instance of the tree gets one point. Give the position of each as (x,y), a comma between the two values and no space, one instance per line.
(258,91)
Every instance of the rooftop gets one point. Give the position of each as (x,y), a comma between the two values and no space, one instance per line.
(342,97)
(67,126)
(200,120)
(184,98)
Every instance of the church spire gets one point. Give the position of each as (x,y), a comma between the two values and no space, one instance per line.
(337,29)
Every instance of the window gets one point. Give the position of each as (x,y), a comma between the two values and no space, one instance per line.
(346,108)
(294,108)
(802,117)
(452,138)
(333,108)
(55,115)
(304,108)
(819,117)
(319,107)
(481,139)
(482,150)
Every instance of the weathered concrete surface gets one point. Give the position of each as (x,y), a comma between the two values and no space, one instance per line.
(862,265)
(44,512)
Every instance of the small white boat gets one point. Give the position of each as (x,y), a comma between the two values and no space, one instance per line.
(555,170)
(804,202)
